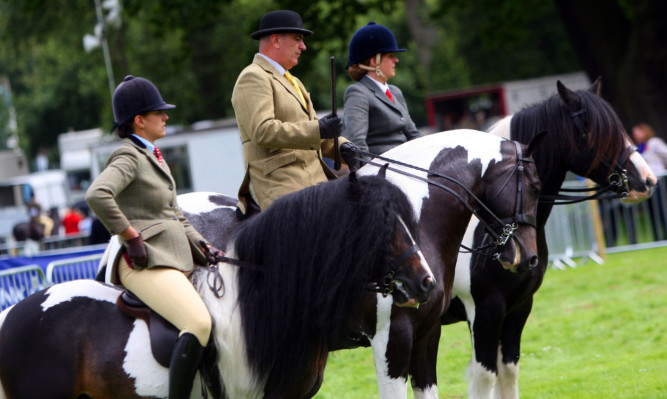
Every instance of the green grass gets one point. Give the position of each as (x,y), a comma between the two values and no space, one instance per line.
(597,331)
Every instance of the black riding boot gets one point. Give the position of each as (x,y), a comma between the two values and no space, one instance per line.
(183,367)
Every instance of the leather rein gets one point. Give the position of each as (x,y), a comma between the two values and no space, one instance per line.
(617,179)
(508,225)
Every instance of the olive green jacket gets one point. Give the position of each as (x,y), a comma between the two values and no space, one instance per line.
(136,190)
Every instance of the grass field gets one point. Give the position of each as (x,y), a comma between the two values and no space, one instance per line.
(597,331)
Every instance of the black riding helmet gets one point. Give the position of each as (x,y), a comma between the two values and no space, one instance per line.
(369,40)
(136,96)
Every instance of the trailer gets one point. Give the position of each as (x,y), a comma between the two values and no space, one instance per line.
(479,107)
(206,156)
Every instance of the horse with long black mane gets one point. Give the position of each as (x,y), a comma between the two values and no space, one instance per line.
(296,287)
(449,177)
(585,137)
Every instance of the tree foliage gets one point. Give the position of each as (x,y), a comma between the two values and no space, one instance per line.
(195,49)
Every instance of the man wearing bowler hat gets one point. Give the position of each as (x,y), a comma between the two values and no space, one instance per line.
(283,140)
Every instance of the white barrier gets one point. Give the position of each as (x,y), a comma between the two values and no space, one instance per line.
(83,267)
(590,229)
(19,282)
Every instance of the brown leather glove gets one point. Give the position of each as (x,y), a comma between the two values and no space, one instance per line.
(136,249)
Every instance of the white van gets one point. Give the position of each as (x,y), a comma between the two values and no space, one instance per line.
(50,188)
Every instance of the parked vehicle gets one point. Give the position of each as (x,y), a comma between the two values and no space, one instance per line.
(479,107)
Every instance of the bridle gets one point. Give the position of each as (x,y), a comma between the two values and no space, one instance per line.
(508,226)
(387,283)
(617,179)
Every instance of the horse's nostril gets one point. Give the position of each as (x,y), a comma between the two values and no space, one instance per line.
(427,283)
(533,261)
(650,183)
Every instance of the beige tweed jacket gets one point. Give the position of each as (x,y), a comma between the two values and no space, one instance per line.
(280,136)
(135,189)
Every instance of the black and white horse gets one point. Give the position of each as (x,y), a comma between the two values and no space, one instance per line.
(458,171)
(307,264)
(585,137)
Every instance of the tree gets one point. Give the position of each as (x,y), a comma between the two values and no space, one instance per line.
(624,43)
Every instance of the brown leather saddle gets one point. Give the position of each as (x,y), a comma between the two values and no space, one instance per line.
(163,334)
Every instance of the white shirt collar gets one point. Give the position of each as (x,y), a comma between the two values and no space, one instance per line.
(148,144)
(274,64)
(383,86)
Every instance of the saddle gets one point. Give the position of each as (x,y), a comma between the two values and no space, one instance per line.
(163,334)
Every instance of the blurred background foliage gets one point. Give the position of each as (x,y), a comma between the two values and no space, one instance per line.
(194,50)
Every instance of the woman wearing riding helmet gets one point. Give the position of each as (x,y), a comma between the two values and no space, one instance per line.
(376,116)
(135,198)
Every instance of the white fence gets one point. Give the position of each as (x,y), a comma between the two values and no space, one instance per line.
(590,229)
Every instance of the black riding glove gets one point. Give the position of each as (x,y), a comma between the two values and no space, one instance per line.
(136,249)
(349,152)
(330,126)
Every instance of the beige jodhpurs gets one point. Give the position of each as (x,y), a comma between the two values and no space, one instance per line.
(169,292)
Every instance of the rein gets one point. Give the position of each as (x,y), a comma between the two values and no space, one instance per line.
(508,225)
(618,179)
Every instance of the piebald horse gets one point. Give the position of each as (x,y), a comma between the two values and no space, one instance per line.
(585,137)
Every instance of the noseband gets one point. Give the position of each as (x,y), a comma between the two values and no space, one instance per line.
(618,178)
(386,286)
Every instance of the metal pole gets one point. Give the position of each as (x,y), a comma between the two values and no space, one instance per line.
(105,47)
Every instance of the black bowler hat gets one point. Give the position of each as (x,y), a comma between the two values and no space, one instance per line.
(278,22)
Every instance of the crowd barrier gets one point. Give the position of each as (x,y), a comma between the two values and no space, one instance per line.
(29,247)
(18,282)
(589,230)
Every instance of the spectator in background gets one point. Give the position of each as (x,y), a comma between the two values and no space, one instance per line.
(36,215)
(71,221)
(654,151)
(652,148)
(376,117)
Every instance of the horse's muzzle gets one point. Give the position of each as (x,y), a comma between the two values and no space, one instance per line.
(404,297)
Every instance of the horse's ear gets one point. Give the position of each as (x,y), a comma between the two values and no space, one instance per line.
(383,171)
(568,97)
(596,87)
(354,185)
(535,142)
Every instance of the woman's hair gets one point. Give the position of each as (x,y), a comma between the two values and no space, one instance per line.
(355,72)
(125,130)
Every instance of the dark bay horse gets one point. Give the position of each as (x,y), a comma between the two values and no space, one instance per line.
(307,264)
(486,169)
(585,137)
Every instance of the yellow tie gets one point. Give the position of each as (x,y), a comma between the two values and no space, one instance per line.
(292,81)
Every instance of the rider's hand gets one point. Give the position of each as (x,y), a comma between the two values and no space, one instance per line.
(330,126)
(213,254)
(349,152)
(136,249)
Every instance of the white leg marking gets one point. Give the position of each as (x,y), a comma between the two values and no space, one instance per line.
(482,381)
(151,379)
(388,387)
(429,393)
(507,386)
